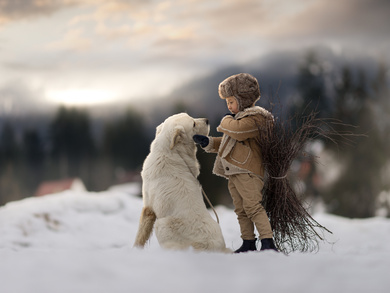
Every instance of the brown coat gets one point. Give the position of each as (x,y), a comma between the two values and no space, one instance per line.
(238,152)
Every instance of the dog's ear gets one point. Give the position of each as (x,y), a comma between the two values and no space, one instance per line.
(177,135)
(159,128)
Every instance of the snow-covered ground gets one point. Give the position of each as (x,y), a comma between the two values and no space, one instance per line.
(82,243)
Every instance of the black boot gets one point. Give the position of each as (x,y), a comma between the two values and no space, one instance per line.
(247,245)
(268,244)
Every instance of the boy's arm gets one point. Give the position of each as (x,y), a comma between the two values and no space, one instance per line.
(241,129)
(214,143)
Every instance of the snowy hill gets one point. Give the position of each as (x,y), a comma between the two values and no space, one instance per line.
(82,242)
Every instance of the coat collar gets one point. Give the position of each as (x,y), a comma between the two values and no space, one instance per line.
(253,111)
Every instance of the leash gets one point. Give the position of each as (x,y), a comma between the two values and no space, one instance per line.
(209,202)
(203,192)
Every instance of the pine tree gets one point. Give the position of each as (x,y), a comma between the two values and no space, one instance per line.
(125,141)
(9,159)
(355,192)
(311,88)
(72,144)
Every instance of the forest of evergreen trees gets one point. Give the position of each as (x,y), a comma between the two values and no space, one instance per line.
(69,149)
(361,103)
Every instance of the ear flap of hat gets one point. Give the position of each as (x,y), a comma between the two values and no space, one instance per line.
(225,89)
(177,135)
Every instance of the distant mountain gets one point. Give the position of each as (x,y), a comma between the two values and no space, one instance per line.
(277,74)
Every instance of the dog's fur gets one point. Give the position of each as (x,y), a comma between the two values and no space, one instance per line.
(172,195)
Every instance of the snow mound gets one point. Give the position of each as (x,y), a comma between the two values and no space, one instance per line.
(70,220)
(82,242)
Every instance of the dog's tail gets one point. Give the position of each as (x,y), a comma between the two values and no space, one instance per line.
(145,228)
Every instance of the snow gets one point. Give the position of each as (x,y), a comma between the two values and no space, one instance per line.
(78,241)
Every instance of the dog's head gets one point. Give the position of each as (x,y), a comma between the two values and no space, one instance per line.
(180,128)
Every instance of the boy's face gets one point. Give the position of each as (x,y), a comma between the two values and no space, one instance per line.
(232,105)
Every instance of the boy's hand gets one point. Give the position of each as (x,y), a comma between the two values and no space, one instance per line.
(201,139)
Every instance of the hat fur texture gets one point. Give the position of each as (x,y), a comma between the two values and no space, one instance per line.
(244,87)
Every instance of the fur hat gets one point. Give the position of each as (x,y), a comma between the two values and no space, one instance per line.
(244,87)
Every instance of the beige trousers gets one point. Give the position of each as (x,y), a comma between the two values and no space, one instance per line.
(245,190)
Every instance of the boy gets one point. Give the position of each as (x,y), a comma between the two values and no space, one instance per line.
(239,157)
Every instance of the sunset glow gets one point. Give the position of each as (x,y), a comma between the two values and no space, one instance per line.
(81,97)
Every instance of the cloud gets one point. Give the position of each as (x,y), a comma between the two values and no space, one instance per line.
(111,42)
(12,10)
(227,18)
(166,28)
(15,10)
(345,20)
(73,40)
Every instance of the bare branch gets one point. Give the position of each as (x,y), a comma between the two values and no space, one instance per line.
(281,142)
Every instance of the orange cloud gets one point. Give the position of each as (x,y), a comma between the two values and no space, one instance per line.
(73,40)
(11,10)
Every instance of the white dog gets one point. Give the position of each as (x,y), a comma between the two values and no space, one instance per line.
(172,195)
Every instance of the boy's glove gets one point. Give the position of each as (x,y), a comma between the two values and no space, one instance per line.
(201,139)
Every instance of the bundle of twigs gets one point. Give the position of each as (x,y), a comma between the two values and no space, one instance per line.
(281,142)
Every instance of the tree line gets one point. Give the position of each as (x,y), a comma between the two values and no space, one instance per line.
(350,94)
(68,148)
(361,103)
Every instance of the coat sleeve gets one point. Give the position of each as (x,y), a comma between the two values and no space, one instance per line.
(240,129)
(213,146)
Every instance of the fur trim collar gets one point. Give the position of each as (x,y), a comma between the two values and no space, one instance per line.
(254,111)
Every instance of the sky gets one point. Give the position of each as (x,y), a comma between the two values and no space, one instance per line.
(95,52)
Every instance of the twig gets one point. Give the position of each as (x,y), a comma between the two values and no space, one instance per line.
(294,228)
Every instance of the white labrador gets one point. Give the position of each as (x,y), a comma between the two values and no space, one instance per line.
(172,195)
